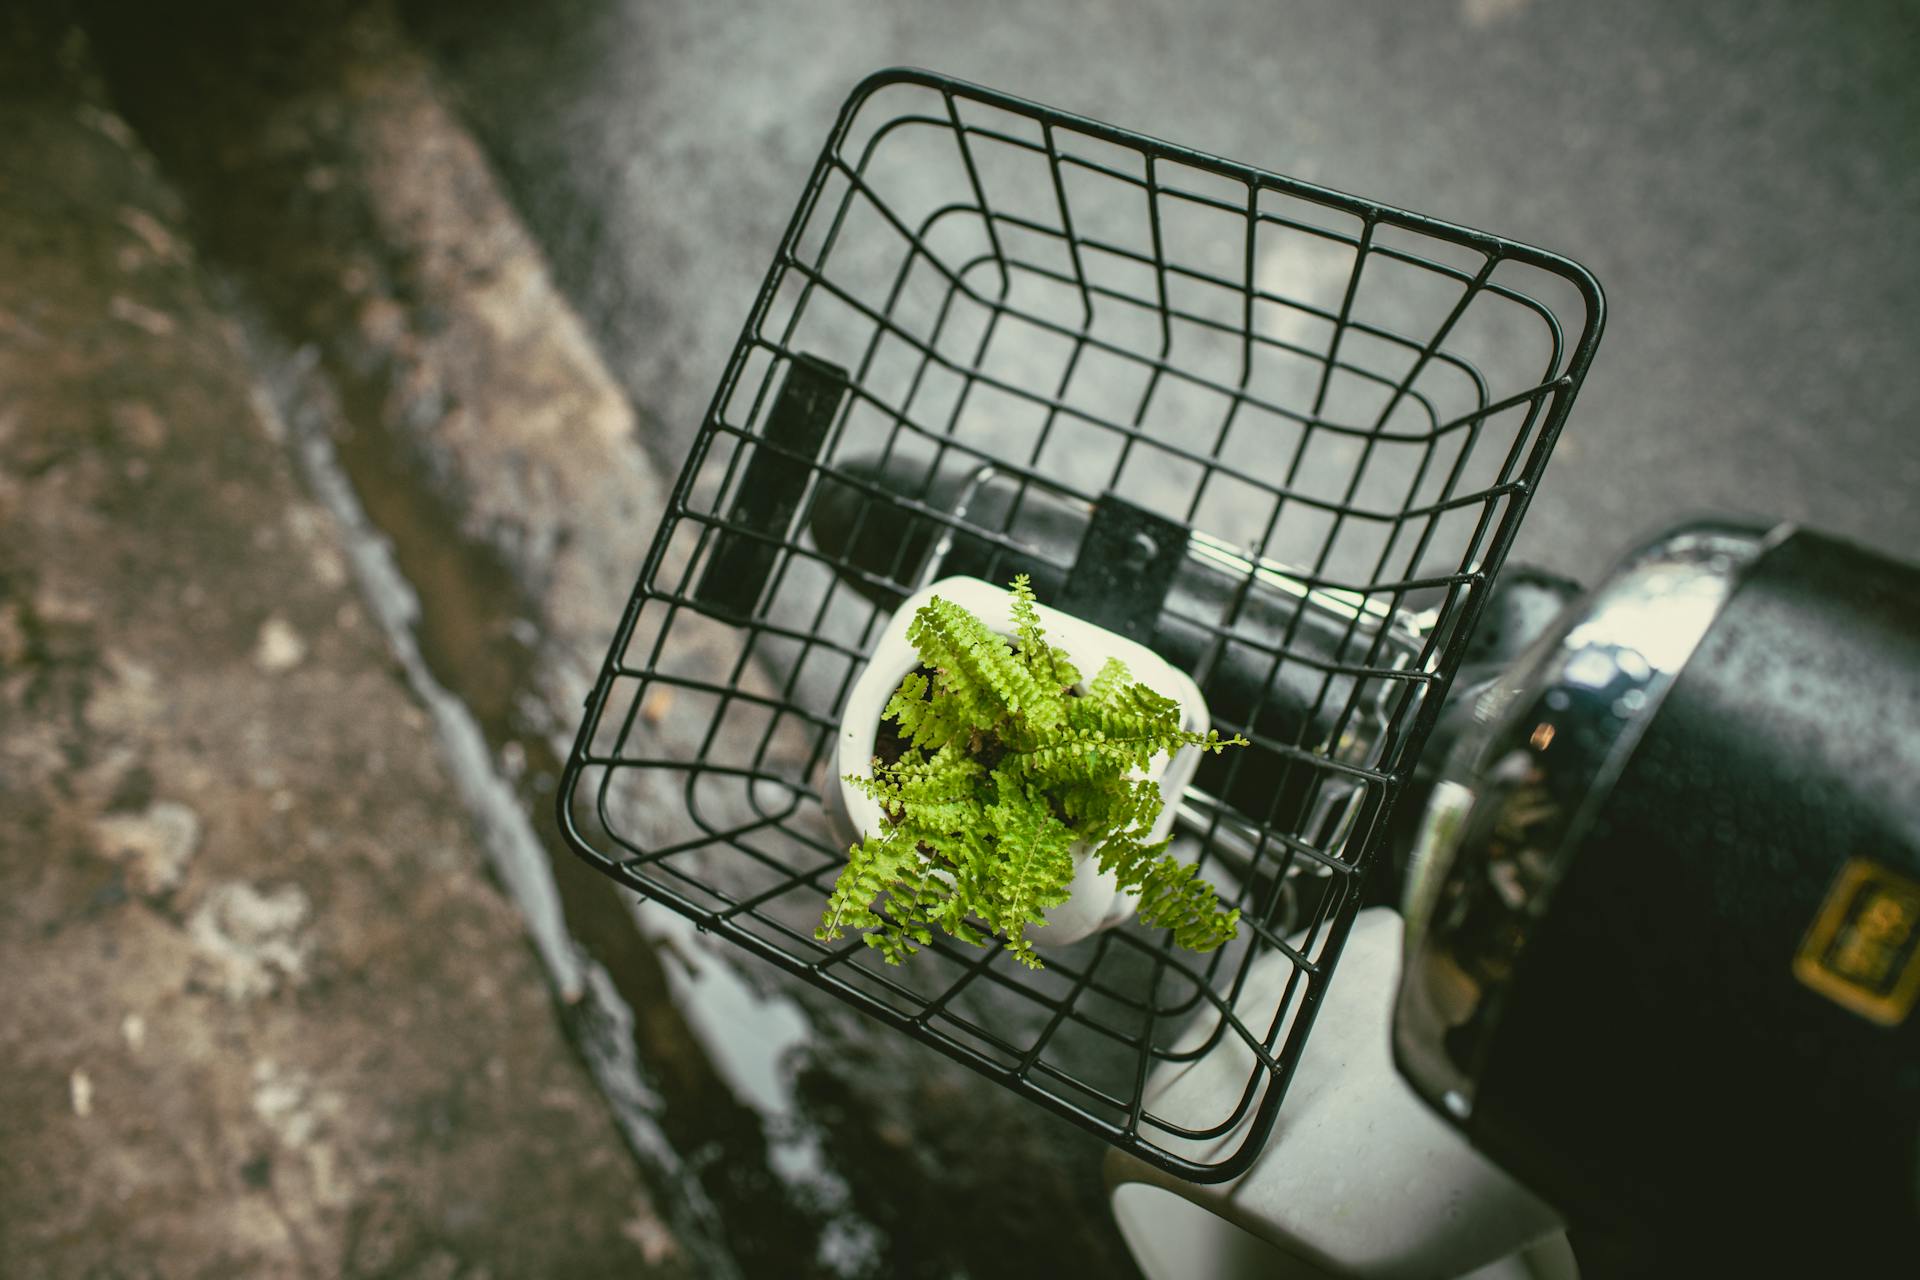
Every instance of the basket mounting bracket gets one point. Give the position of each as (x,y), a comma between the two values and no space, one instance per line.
(1124,568)
(776,477)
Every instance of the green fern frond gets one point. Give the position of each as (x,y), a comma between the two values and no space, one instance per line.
(1173,897)
(1011,765)
(975,666)
(1047,664)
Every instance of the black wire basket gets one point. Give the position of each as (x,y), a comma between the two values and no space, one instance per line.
(1283,435)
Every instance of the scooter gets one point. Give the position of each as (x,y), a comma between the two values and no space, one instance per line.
(1623,886)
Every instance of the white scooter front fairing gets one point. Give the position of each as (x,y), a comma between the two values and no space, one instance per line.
(1359,1178)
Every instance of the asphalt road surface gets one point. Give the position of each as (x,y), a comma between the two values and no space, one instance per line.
(1742,178)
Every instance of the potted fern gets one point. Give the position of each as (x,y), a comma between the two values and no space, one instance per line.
(988,787)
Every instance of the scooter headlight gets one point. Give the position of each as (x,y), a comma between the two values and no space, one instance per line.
(1545,746)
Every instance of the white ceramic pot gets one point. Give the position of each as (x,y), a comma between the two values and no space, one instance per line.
(1094,903)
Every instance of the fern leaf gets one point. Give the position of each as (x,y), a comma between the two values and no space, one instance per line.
(1035,857)
(1050,667)
(874,867)
(1007,771)
(1173,897)
(977,670)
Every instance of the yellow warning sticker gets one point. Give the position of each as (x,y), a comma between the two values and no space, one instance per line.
(1863,952)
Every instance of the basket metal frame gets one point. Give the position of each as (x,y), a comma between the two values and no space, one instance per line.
(1139,1020)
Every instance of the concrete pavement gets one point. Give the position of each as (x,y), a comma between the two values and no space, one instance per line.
(266,1014)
